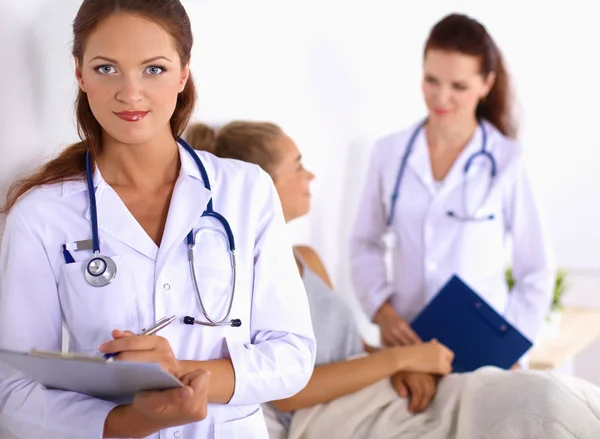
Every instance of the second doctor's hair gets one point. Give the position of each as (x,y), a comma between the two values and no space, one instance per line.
(252,142)
(70,164)
(460,33)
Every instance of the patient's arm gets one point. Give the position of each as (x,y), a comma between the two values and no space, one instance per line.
(334,380)
(331,381)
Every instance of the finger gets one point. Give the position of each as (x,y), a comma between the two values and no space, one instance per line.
(399,337)
(131,343)
(428,392)
(117,333)
(445,368)
(390,340)
(417,396)
(408,334)
(401,389)
(140,356)
(198,380)
(412,335)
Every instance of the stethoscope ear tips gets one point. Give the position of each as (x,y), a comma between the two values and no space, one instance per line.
(188,320)
(236,323)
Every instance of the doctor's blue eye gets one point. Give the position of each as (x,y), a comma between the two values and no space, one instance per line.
(105,69)
(155,70)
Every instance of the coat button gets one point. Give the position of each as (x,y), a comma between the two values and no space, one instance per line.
(177,434)
(167,287)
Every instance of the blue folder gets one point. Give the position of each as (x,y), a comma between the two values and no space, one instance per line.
(464,322)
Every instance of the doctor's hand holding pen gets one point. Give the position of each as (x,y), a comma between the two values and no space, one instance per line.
(395,331)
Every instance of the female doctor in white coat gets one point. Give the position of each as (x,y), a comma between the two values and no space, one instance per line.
(446,193)
(100,242)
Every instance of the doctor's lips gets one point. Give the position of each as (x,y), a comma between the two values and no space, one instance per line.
(440,111)
(132,116)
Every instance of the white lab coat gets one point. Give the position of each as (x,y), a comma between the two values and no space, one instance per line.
(430,246)
(273,352)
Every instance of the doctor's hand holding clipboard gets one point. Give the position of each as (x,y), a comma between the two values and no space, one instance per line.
(165,408)
(446,195)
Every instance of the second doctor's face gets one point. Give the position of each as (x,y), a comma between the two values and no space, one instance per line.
(453,85)
(131,73)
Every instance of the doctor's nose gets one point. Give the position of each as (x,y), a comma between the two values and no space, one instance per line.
(442,97)
(130,90)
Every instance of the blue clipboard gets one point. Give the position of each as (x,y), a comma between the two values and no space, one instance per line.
(464,322)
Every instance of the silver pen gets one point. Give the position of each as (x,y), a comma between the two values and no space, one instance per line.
(155,327)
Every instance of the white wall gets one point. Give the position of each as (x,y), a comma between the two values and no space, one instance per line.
(336,76)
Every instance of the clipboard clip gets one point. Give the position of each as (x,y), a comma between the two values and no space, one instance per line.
(69,356)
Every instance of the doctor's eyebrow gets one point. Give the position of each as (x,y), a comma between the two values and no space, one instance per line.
(114,61)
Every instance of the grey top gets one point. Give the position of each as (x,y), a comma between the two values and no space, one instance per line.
(334,325)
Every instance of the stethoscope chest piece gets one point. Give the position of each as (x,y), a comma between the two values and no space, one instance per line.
(100,270)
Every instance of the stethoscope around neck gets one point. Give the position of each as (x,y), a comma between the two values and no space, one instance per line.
(101,270)
(467,216)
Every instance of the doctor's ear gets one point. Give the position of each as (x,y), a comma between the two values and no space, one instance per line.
(79,75)
(185,75)
(488,83)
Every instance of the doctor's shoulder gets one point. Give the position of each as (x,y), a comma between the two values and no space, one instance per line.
(35,204)
(508,152)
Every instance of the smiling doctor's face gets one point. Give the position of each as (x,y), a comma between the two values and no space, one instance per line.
(453,85)
(131,73)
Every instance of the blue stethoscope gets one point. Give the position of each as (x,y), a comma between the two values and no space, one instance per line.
(483,152)
(101,270)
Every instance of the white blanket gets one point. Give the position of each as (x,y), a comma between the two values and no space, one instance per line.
(486,404)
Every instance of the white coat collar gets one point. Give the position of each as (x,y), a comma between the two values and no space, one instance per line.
(188,202)
(188,167)
(420,160)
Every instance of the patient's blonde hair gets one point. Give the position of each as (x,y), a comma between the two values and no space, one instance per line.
(251,142)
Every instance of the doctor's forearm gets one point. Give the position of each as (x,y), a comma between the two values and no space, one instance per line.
(222,378)
(126,422)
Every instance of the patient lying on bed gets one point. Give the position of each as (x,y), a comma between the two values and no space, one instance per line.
(360,392)
(356,394)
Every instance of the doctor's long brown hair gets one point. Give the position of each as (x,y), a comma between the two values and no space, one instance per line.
(460,33)
(70,163)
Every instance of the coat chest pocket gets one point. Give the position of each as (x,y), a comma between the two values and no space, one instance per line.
(91,313)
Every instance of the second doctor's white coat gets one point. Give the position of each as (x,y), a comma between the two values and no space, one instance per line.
(273,352)
(431,246)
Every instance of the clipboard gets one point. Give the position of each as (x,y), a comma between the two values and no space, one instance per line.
(477,334)
(116,381)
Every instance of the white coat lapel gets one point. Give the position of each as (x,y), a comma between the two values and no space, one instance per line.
(116,220)
(189,201)
(420,163)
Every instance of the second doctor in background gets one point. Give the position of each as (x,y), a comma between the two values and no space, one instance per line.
(149,202)
(448,192)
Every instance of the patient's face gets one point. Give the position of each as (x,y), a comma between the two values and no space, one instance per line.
(291,179)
